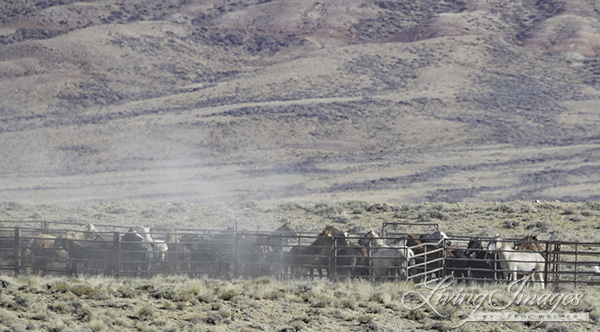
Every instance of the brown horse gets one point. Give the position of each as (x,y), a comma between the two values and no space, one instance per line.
(81,247)
(305,259)
(529,242)
(179,254)
(44,248)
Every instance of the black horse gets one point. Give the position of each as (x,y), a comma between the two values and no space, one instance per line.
(136,254)
(479,264)
(350,259)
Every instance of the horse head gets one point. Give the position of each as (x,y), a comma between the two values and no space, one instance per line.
(132,236)
(371,238)
(473,246)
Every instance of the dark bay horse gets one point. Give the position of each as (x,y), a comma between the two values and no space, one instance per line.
(305,259)
(350,259)
(480,264)
(44,249)
(136,253)
(429,254)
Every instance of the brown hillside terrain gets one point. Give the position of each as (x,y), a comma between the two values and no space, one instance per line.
(299,100)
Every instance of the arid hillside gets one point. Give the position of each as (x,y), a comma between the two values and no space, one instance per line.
(219,100)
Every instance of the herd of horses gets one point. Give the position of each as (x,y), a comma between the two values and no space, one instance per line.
(284,252)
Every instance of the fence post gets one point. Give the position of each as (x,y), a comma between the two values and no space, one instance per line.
(443,259)
(407,259)
(556,257)
(236,243)
(576,264)
(332,263)
(495,263)
(117,250)
(17,251)
(68,258)
(370,260)
(425,263)
(547,262)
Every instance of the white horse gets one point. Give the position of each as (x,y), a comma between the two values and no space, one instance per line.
(386,259)
(516,262)
(159,247)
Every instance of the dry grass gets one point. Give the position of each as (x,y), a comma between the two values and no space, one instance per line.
(265,304)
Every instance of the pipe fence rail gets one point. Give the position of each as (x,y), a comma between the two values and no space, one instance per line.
(49,248)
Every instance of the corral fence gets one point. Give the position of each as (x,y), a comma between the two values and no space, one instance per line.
(45,248)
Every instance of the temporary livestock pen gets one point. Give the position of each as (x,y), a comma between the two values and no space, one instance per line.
(50,248)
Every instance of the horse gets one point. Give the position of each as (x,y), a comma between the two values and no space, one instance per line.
(179,251)
(428,252)
(136,254)
(80,247)
(42,249)
(279,239)
(208,254)
(386,260)
(305,259)
(529,242)
(518,262)
(274,249)
(478,265)
(159,248)
(219,247)
(350,259)
(457,263)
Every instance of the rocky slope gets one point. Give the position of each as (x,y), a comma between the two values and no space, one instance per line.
(299,100)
